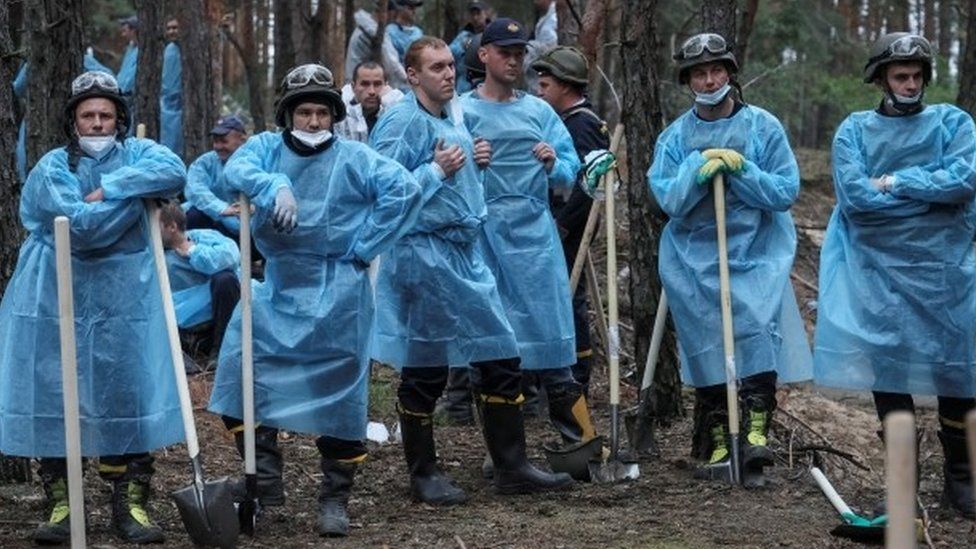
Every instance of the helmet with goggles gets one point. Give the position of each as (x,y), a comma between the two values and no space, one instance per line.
(308,83)
(899,47)
(706,47)
(94,84)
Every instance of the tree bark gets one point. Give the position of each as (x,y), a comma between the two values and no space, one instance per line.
(145,104)
(718,16)
(11,232)
(201,73)
(745,30)
(54,39)
(967,67)
(929,18)
(591,33)
(643,122)
(245,48)
(284,49)
(898,16)
(567,29)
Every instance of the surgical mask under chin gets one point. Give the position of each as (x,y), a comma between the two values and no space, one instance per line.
(96,146)
(312,139)
(713,98)
(904,103)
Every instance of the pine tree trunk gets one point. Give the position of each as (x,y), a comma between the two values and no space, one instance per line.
(718,16)
(967,67)
(643,122)
(567,30)
(201,73)
(11,233)
(145,104)
(54,39)
(245,50)
(284,49)
(745,30)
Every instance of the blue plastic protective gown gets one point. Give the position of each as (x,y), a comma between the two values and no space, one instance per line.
(769,333)
(189,277)
(126,388)
(458,47)
(312,314)
(171,100)
(127,69)
(437,303)
(897,305)
(208,191)
(20,154)
(92,64)
(522,246)
(402,37)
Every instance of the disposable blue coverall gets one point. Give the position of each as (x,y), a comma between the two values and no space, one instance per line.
(126,386)
(313,312)
(522,245)
(127,69)
(171,100)
(897,305)
(769,333)
(208,191)
(189,277)
(402,37)
(437,303)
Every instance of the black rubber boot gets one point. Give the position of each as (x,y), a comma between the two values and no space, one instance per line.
(268,465)
(57,529)
(958,487)
(571,416)
(130,513)
(457,403)
(504,430)
(427,482)
(337,478)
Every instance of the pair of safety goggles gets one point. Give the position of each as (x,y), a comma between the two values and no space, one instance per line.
(696,45)
(94,80)
(909,46)
(303,75)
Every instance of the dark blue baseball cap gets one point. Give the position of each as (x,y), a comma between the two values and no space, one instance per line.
(504,32)
(227,124)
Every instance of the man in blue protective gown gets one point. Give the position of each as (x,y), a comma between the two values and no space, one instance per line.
(129,28)
(722,134)
(203,270)
(477,20)
(171,91)
(532,150)
(437,301)
(403,29)
(897,288)
(325,207)
(127,391)
(211,202)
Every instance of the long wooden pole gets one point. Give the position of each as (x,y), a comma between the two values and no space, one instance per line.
(899,428)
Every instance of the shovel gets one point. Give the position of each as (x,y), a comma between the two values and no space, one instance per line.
(69,382)
(206,507)
(614,468)
(729,470)
(640,431)
(854,527)
(248,509)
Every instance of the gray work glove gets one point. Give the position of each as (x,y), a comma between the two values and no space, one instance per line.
(285,211)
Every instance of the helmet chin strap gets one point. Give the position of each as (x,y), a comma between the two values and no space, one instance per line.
(902,104)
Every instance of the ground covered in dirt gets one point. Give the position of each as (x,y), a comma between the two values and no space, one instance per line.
(665,507)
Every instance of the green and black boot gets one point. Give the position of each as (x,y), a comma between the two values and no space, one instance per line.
(268,465)
(427,482)
(958,488)
(504,431)
(130,511)
(57,529)
(337,480)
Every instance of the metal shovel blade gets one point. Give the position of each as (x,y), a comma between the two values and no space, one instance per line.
(640,432)
(873,535)
(613,470)
(725,471)
(207,510)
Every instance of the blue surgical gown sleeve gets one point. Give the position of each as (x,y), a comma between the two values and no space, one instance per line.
(152,171)
(956,182)
(249,170)
(199,179)
(457,46)
(567,165)
(391,138)
(212,256)
(53,190)
(776,184)
(856,196)
(672,175)
(93,64)
(397,206)
(20,81)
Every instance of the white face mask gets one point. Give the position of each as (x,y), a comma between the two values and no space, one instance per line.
(713,98)
(908,99)
(312,139)
(96,146)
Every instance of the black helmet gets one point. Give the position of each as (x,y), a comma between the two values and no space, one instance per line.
(703,48)
(897,47)
(565,63)
(310,82)
(96,84)
(471,60)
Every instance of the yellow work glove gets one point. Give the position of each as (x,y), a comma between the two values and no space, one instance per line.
(732,159)
(709,169)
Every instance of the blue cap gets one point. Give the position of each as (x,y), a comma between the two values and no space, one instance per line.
(504,32)
(228,123)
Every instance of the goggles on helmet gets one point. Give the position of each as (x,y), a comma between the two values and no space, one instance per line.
(696,45)
(907,46)
(303,75)
(94,80)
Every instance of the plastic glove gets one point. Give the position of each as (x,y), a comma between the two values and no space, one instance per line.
(597,163)
(285,211)
(883,184)
(709,169)
(733,159)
